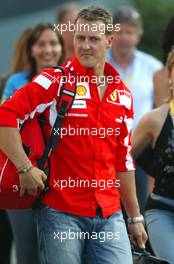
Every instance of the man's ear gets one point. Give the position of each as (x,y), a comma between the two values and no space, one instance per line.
(109,40)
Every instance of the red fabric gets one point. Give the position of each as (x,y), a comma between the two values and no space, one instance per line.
(9,188)
(90,157)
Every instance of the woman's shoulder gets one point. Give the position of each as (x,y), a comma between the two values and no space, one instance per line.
(17,80)
(13,83)
(155,117)
(160,111)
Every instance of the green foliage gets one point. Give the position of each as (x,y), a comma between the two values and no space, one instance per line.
(155,14)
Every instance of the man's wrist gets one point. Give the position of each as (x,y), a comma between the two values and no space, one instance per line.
(135,219)
(132,207)
(25,168)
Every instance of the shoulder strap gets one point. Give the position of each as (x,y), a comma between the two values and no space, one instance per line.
(65,101)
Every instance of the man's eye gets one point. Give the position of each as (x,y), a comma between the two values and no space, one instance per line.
(80,38)
(94,38)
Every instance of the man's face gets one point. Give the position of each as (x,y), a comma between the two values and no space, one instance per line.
(126,39)
(89,44)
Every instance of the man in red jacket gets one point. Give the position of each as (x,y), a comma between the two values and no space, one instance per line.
(92,166)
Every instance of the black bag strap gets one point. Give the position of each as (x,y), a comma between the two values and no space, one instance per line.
(65,101)
(140,250)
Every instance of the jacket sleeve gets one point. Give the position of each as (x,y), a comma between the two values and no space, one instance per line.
(30,100)
(124,159)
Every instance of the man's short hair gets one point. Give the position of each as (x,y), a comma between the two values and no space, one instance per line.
(128,14)
(95,13)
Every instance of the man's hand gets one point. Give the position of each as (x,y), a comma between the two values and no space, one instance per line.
(31,181)
(137,234)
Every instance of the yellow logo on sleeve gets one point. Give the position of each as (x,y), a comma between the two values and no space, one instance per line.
(113,96)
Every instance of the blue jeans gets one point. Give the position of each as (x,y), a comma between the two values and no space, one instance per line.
(160,227)
(64,237)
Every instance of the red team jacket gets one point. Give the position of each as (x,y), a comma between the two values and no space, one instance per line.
(95,140)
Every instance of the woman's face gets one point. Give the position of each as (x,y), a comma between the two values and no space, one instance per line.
(47,50)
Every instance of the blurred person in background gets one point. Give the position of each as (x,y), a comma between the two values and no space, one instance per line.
(136,70)
(160,77)
(45,54)
(44,49)
(153,140)
(65,16)
(19,63)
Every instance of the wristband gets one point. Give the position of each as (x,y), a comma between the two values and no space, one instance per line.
(135,219)
(25,169)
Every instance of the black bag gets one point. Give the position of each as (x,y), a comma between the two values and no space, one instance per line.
(141,256)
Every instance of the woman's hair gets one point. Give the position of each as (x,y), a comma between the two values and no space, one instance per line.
(168,39)
(33,38)
(169,66)
(20,60)
(170,61)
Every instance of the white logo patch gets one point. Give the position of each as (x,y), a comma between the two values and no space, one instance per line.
(78,104)
(44,79)
(120,97)
(77,115)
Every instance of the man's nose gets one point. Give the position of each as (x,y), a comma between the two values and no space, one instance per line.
(86,45)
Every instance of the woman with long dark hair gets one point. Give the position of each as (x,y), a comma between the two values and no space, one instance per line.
(44,49)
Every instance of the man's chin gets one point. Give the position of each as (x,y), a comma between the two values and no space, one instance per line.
(125,51)
(87,64)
